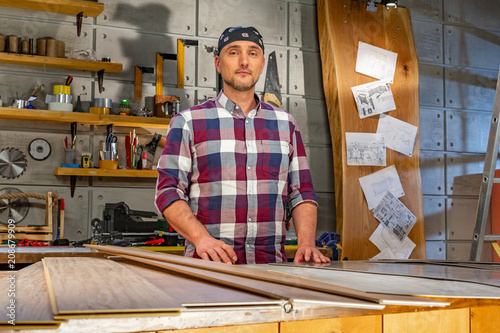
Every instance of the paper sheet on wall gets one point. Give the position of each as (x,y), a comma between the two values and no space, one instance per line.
(383,238)
(378,183)
(376,62)
(398,135)
(373,98)
(394,215)
(384,254)
(365,149)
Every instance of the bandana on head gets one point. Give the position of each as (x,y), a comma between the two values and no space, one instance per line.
(233,34)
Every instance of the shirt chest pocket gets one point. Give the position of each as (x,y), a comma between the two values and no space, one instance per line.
(273,157)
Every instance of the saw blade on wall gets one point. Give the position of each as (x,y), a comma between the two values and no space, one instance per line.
(12,163)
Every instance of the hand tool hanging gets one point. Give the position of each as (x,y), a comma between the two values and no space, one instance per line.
(272,92)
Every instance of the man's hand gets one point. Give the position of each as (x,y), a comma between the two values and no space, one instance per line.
(308,253)
(210,248)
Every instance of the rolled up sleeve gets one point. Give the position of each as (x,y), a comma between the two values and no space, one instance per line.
(174,165)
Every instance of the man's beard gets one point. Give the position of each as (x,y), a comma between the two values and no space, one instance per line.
(238,86)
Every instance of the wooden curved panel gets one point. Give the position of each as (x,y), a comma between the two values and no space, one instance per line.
(342,24)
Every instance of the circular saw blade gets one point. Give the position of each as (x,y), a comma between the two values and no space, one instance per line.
(15,209)
(12,163)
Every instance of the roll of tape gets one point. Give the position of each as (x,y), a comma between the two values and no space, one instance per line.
(102,103)
(98,110)
(57,106)
(62,89)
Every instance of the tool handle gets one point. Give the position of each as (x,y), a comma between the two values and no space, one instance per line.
(271,98)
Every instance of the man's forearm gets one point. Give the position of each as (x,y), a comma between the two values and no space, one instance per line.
(305,217)
(182,219)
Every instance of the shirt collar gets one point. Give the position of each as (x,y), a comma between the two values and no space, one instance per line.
(230,106)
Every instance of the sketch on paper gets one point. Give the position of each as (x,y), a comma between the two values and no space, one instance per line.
(384,238)
(376,62)
(394,215)
(373,98)
(378,183)
(365,149)
(399,135)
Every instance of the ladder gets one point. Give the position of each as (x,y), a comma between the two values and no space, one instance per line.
(488,179)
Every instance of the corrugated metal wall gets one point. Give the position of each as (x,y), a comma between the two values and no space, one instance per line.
(131,32)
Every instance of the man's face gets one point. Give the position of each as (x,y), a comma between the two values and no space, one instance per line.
(240,63)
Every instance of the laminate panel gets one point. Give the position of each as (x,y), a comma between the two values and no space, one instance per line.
(365,324)
(463,274)
(32,304)
(252,273)
(445,321)
(101,286)
(390,284)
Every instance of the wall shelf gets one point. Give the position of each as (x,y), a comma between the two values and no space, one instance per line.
(91,172)
(64,63)
(71,7)
(82,118)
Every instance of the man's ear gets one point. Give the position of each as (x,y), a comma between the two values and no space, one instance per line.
(217,63)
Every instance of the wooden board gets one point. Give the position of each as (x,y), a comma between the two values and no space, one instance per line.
(92,172)
(255,328)
(259,275)
(365,324)
(72,7)
(484,319)
(342,24)
(444,321)
(100,286)
(32,299)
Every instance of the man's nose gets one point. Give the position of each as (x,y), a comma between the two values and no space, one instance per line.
(243,60)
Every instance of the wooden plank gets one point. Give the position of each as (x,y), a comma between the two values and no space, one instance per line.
(71,7)
(342,24)
(484,319)
(443,321)
(33,237)
(101,286)
(253,328)
(33,229)
(365,324)
(260,275)
(90,172)
(31,296)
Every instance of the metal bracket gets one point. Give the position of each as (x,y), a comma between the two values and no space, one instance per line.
(79,20)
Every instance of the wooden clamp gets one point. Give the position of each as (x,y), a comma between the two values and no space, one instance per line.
(139,70)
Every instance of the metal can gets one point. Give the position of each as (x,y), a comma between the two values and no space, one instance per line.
(176,107)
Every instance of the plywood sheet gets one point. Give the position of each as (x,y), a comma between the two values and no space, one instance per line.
(444,321)
(392,284)
(31,299)
(365,324)
(254,328)
(484,319)
(342,24)
(101,286)
(262,276)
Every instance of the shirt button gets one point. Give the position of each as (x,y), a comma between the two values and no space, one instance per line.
(247,121)
(237,108)
(248,168)
(249,219)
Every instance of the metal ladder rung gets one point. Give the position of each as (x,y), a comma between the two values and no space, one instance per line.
(489,238)
(496,180)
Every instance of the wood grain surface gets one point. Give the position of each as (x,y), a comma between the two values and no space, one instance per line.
(444,321)
(93,285)
(266,276)
(31,297)
(342,24)
(365,324)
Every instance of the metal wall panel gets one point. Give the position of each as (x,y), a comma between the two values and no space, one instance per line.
(434,218)
(207,73)
(41,172)
(461,215)
(463,174)
(470,89)
(35,29)
(282,63)
(458,251)
(468,47)
(429,41)
(326,213)
(435,250)
(467,131)
(431,129)
(424,9)
(431,91)
(269,17)
(321,165)
(432,170)
(312,117)
(303,26)
(76,221)
(479,14)
(306,76)
(203,94)
(139,49)
(172,16)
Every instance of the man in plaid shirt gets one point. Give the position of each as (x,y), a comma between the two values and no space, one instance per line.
(230,164)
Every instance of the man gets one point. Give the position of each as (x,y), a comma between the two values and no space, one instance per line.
(230,164)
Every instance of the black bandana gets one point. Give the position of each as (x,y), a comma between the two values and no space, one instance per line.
(233,34)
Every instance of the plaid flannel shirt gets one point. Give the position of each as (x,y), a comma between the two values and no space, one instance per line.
(236,173)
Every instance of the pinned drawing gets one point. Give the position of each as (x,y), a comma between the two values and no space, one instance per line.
(399,135)
(373,98)
(384,238)
(365,149)
(378,183)
(394,215)
(376,62)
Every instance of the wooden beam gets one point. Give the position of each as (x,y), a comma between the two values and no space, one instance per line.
(71,7)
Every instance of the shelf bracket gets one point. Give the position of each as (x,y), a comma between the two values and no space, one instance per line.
(109,130)
(100,79)
(79,21)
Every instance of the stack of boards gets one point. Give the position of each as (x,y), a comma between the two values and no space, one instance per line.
(139,283)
